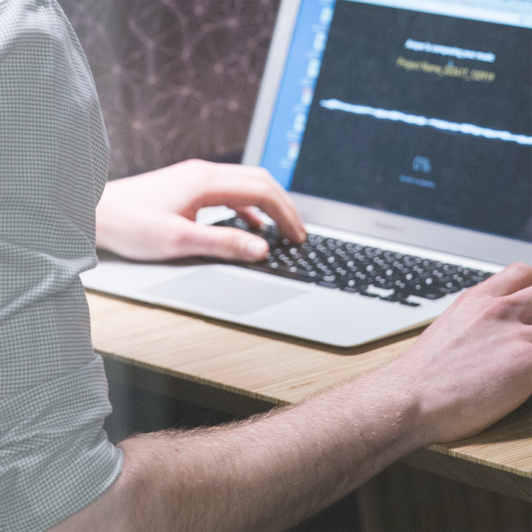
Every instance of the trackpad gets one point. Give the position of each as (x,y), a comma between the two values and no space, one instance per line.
(224,292)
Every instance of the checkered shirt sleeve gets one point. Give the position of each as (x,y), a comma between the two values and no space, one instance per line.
(55,458)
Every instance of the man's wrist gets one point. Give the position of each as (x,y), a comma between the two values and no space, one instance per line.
(394,412)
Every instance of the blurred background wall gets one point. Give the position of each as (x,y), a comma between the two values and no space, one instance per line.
(176,78)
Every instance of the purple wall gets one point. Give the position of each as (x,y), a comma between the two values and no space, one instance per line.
(176,78)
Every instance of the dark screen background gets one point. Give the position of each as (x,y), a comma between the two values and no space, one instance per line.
(479,183)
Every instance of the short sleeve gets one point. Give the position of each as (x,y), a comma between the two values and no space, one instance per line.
(55,457)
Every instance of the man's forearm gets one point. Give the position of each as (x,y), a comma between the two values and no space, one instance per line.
(275,473)
(265,474)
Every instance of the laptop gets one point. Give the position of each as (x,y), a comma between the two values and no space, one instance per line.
(403,131)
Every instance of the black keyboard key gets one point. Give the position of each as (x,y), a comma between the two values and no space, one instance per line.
(368,294)
(444,290)
(409,303)
(327,284)
(350,289)
(431,295)
(282,272)
(395,297)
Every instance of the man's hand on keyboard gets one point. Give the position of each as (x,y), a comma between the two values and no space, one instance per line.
(152,216)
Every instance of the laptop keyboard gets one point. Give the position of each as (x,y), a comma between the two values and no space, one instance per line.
(355,268)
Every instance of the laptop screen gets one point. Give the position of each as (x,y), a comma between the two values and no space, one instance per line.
(420,108)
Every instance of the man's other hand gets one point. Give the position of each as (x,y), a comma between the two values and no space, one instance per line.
(152,216)
(473,365)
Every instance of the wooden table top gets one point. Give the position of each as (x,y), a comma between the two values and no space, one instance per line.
(243,371)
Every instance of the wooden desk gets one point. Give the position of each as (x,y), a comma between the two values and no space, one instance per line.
(242,372)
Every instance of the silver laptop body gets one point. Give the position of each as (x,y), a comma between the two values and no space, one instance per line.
(401,125)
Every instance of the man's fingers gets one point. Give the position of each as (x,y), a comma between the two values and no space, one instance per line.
(222,242)
(250,216)
(239,186)
(522,300)
(512,279)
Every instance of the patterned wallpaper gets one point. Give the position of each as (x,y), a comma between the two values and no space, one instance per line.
(176,78)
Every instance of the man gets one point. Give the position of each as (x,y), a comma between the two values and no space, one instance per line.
(57,469)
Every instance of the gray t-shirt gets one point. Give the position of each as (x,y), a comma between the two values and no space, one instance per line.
(55,457)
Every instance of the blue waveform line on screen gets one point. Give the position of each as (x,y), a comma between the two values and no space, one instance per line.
(415,120)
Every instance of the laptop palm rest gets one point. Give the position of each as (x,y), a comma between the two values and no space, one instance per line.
(223,292)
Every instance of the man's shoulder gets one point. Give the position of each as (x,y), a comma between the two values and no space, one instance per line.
(24,19)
